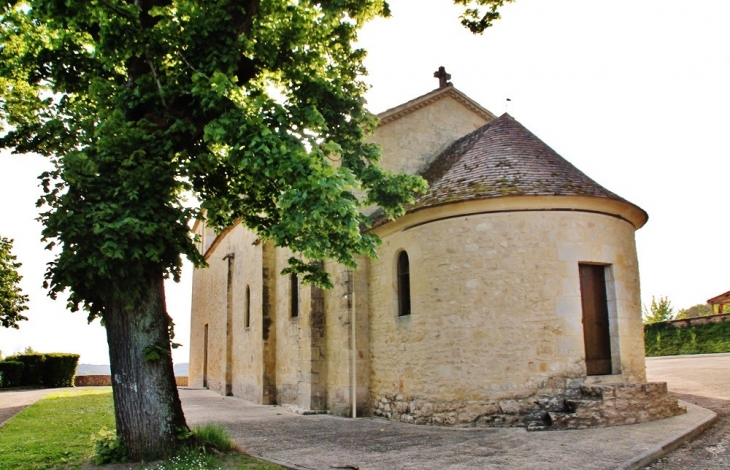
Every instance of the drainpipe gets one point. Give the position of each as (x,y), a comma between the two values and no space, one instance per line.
(354,351)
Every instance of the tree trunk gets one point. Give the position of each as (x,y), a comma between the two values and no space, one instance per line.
(147,407)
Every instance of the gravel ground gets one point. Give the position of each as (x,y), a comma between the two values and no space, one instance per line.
(705,381)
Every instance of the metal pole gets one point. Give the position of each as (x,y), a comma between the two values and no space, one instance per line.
(354,352)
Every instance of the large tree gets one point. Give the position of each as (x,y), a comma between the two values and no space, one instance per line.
(255,107)
(12,300)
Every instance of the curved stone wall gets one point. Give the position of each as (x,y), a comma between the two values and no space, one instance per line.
(496,317)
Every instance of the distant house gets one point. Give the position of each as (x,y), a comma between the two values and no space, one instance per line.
(722,302)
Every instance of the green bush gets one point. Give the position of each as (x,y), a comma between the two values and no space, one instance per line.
(108,448)
(59,369)
(663,339)
(33,370)
(47,369)
(11,373)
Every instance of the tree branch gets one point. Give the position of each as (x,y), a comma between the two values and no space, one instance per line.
(157,79)
(118,10)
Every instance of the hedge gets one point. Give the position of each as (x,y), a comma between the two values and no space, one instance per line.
(46,369)
(59,369)
(664,339)
(11,373)
(33,370)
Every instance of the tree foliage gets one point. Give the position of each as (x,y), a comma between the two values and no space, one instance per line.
(247,105)
(480,14)
(699,310)
(12,300)
(659,311)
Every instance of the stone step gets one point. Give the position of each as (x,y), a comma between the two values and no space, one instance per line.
(612,405)
(561,421)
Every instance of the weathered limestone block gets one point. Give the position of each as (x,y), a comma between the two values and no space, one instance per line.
(616,404)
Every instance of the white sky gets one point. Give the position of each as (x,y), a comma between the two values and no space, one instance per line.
(635,93)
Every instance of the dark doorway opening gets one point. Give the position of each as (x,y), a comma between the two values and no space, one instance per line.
(596,332)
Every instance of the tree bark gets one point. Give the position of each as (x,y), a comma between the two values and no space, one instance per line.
(147,407)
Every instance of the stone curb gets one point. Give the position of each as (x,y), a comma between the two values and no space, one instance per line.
(682,356)
(286,465)
(665,447)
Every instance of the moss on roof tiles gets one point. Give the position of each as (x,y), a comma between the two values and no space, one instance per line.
(503,158)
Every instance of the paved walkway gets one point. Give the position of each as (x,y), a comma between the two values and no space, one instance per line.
(706,375)
(12,402)
(703,380)
(326,442)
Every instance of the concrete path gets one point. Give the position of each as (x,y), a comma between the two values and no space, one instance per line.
(12,402)
(706,375)
(703,380)
(326,442)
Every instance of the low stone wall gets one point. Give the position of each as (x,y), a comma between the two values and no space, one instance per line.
(685,322)
(106,381)
(616,405)
(575,406)
(93,381)
(527,409)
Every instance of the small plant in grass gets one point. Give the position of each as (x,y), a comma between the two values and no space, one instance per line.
(108,447)
(195,459)
(187,459)
(207,444)
(213,436)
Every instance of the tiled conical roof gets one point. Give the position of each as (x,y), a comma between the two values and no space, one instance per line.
(503,158)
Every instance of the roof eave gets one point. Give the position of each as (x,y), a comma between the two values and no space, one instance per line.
(722,299)
(448,91)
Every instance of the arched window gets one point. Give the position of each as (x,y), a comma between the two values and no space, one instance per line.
(404,284)
(247,310)
(294,295)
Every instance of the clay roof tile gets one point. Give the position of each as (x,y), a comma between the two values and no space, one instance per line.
(503,158)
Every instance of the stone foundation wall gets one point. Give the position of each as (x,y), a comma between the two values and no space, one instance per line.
(615,405)
(519,409)
(576,406)
(106,381)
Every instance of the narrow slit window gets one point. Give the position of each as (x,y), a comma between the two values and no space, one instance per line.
(404,285)
(247,311)
(294,296)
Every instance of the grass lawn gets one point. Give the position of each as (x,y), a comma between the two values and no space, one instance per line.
(55,433)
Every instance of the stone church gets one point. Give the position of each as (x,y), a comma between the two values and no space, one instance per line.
(507,295)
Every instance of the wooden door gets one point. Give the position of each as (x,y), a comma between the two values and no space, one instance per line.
(596,335)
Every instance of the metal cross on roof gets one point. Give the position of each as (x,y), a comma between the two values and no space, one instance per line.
(442,76)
